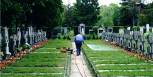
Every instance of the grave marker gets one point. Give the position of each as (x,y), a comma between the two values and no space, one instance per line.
(7,41)
(147,27)
(18,37)
(81,28)
(26,37)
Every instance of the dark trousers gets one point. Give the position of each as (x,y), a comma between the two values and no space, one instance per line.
(78,47)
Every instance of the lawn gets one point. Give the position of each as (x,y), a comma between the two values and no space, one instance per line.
(46,61)
(110,61)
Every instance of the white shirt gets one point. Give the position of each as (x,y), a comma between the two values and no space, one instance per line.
(79,37)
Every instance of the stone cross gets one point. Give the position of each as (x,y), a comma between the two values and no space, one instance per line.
(7,41)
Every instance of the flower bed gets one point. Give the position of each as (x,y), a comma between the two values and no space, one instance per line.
(117,62)
(46,61)
(23,52)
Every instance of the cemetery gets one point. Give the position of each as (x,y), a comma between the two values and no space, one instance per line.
(76,38)
(112,54)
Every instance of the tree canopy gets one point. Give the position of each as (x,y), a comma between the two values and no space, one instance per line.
(44,14)
(87,11)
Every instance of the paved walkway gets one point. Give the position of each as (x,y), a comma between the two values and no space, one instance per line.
(78,66)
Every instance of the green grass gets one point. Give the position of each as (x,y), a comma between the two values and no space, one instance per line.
(108,63)
(33,70)
(125,73)
(47,60)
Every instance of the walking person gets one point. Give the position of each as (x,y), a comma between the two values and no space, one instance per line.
(78,42)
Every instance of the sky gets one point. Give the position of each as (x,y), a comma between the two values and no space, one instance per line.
(102,2)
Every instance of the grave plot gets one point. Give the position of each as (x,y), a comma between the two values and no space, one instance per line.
(43,62)
(112,62)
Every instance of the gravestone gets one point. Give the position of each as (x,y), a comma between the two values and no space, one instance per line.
(99,32)
(121,40)
(18,37)
(141,30)
(7,41)
(147,27)
(11,45)
(30,35)
(65,30)
(26,37)
(151,45)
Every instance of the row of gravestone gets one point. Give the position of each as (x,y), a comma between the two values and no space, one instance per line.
(9,43)
(135,41)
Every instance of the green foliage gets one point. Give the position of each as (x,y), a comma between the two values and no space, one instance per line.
(108,14)
(91,36)
(87,12)
(42,14)
(129,14)
(146,16)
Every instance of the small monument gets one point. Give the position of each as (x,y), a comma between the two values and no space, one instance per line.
(141,30)
(81,28)
(100,31)
(147,27)
(18,37)
(26,37)
(30,34)
(7,41)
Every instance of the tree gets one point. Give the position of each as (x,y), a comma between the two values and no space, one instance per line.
(87,11)
(129,14)
(108,15)
(146,17)
(41,14)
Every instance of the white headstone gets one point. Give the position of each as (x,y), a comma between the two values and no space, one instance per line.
(30,34)
(121,31)
(7,41)
(26,37)
(141,30)
(147,27)
(129,28)
(19,36)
